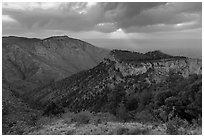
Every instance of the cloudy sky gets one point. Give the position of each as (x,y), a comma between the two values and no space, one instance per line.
(172,27)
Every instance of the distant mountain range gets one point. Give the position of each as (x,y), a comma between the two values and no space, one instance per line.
(30,62)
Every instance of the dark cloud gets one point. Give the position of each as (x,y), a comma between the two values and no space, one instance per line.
(129,15)
(105,17)
(125,10)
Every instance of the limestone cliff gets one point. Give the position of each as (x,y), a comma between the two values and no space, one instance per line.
(159,69)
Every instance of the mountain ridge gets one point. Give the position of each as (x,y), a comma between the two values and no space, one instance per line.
(110,72)
(43,60)
(125,84)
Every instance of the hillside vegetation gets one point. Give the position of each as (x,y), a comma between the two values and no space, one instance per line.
(128,93)
(29,63)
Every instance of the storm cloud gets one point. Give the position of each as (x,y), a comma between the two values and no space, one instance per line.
(102,17)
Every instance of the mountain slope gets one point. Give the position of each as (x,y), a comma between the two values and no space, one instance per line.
(105,86)
(17,115)
(130,85)
(29,63)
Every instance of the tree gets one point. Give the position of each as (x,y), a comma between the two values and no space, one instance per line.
(115,97)
(132,103)
(121,112)
(53,109)
(161,96)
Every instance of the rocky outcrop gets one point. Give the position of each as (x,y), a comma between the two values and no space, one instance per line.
(159,68)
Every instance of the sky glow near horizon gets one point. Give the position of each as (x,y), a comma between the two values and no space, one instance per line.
(134,26)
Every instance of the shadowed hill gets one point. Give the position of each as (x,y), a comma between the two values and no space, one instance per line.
(34,62)
(29,63)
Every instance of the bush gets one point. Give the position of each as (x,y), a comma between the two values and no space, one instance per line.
(122,131)
(53,109)
(143,116)
(6,108)
(161,96)
(145,97)
(172,101)
(19,128)
(132,103)
(68,117)
(136,131)
(83,117)
(106,117)
(121,112)
(44,121)
(197,122)
(172,128)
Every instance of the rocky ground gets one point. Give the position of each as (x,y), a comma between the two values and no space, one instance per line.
(61,127)
(69,124)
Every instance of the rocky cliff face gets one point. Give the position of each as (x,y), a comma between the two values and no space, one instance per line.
(28,63)
(160,68)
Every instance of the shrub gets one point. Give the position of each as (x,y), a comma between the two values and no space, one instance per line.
(83,117)
(172,101)
(135,131)
(197,122)
(68,117)
(172,129)
(122,131)
(115,97)
(19,128)
(145,98)
(121,112)
(96,120)
(138,131)
(180,122)
(6,108)
(143,116)
(132,103)
(161,96)
(53,109)
(70,132)
(43,121)
(105,117)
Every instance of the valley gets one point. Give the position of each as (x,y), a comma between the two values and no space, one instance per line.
(63,84)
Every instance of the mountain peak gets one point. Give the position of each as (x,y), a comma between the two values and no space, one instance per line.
(57,37)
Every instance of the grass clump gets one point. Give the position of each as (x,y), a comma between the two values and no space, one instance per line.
(83,117)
